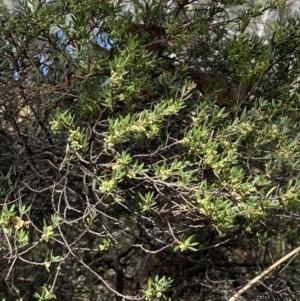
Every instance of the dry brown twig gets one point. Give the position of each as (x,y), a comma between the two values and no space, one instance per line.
(237,295)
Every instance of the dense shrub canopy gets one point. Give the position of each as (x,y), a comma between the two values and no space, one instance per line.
(148,152)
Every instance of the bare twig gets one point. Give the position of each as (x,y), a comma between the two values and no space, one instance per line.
(263,274)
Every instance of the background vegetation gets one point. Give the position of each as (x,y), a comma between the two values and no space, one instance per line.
(149,150)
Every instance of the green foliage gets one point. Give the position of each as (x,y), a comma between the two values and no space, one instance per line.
(44,295)
(157,288)
(106,243)
(186,244)
(147,201)
(48,230)
(49,260)
(155,137)
(14,225)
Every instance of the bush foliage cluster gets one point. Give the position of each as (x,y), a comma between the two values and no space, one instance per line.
(149,151)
